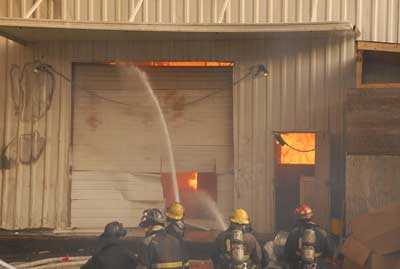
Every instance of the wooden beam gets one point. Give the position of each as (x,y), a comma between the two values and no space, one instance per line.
(379,86)
(359,67)
(378,46)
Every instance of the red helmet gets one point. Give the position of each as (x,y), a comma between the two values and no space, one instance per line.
(304,211)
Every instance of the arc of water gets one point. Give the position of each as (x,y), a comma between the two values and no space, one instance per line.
(149,89)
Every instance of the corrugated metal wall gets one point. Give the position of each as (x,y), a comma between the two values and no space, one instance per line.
(378,20)
(304,92)
(32,195)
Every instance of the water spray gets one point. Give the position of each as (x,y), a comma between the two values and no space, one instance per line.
(145,80)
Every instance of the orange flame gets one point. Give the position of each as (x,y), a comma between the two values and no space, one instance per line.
(301,142)
(192,181)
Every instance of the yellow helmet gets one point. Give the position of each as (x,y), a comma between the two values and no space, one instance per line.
(240,216)
(175,211)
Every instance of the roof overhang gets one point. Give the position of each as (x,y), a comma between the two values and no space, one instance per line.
(32,30)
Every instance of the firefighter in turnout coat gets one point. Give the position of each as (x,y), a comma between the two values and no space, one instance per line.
(175,225)
(308,245)
(110,253)
(237,248)
(159,249)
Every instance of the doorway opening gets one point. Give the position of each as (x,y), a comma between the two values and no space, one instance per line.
(192,185)
(118,143)
(295,161)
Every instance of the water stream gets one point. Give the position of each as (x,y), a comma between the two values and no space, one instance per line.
(212,207)
(201,198)
(171,158)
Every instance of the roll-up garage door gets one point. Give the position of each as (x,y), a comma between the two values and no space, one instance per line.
(119,149)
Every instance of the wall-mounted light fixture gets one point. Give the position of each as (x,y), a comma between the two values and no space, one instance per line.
(262,69)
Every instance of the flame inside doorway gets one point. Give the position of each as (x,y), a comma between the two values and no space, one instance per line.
(299,148)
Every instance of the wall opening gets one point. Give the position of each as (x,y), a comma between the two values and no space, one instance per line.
(117,149)
(378,65)
(294,161)
(193,186)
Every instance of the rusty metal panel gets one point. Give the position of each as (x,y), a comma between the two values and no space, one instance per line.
(372,122)
(371,183)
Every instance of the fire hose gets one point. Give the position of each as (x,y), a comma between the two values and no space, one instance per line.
(53,262)
(6,265)
(58,265)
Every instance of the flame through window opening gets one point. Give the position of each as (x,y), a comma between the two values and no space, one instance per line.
(297,148)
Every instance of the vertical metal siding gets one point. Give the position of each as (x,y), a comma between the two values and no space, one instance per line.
(34,195)
(302,93)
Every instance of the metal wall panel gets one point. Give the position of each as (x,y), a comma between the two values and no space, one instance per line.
(378,20)
(305,91)
(32,194)
(201,136)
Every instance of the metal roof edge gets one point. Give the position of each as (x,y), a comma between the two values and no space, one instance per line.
(21,30)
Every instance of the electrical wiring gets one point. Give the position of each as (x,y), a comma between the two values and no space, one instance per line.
(87,91)
(299,150)
(19,92)
(30,138)
(251,73)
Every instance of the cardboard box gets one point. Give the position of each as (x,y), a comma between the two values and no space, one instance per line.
(374,242)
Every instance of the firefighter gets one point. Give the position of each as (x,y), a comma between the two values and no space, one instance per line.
(308,245)
(175,225)
(110,253)
(159,249)
(237,248)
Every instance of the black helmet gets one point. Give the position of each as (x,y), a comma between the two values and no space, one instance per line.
(151,217)
(114,229)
